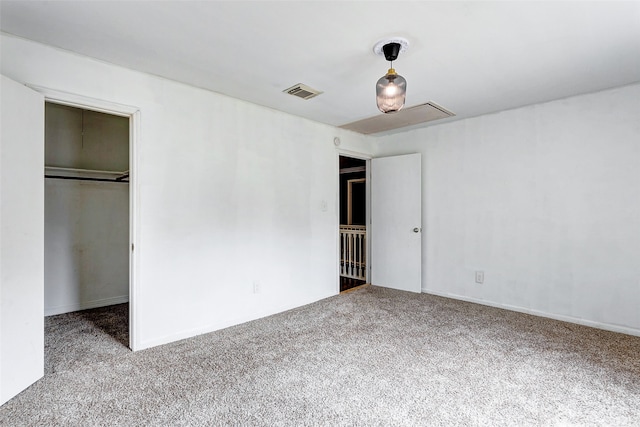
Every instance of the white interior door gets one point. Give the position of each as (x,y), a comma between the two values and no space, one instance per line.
(21,238)
(396,216)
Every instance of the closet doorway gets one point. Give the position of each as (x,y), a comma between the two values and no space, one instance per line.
(87,220)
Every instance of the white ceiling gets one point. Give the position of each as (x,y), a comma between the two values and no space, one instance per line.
(470,57)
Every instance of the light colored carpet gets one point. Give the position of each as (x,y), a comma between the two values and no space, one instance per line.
(74,340)
(370,357)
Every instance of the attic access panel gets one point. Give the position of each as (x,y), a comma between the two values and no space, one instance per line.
(423,113)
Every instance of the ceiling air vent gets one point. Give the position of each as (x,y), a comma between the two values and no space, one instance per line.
(302,91)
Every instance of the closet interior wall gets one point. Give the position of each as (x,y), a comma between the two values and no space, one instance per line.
(86,209)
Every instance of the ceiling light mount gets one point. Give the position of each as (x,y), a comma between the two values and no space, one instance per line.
(391,51)
(378,48)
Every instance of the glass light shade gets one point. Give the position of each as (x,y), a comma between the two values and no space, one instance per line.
(391,92)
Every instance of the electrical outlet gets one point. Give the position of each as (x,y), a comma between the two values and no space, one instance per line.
(256,287)
(480,277)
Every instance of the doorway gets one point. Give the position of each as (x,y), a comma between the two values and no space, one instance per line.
(87,221)
(353,228)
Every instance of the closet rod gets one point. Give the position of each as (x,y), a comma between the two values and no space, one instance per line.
(81,178)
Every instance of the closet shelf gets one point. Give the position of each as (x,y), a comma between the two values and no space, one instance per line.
(55,172)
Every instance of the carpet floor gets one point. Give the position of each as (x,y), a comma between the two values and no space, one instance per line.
(78,339)
(369,357)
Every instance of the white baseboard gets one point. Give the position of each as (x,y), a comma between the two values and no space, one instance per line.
(563,318)
(84,305)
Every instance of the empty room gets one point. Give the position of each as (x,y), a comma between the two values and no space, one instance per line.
(320,213)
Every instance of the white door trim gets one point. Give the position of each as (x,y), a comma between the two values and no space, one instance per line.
(354,154)
(133,113)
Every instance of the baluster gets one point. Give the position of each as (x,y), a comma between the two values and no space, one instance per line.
(364,256)
(359,255)
(342,253)
(356,255)
(348,254)
(353,261)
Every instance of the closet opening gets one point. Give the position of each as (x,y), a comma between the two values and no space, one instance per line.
(86,235)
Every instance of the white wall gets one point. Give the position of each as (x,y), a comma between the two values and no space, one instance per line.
(228,193)
(544,199)
(86,235)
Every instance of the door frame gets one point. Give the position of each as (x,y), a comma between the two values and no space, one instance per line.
(367,158)
(133,113)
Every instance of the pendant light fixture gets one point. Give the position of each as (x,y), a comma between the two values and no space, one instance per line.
(391,88)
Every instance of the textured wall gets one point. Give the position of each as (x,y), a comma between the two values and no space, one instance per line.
(86,256)
(229,193)
(544,199)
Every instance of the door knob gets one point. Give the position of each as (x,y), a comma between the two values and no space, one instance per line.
(416,230)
